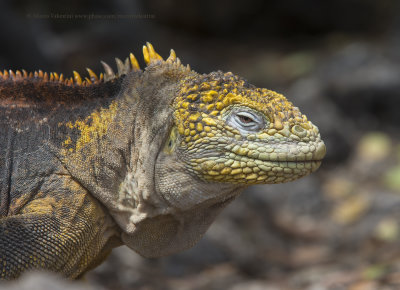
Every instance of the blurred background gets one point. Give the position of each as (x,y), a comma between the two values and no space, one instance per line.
(339,61)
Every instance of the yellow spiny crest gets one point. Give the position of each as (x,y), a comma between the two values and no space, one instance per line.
(150,55)
(92,75)
(134,62)
(77,78)
(123,67)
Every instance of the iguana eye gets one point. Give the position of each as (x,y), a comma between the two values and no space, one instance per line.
(245,121)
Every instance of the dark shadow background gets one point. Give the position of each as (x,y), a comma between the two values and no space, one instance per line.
(337,60)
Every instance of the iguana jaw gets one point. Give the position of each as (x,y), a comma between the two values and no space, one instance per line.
(257,161)
(182,187)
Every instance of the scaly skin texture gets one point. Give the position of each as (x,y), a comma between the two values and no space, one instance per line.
(287,147)
(142,158)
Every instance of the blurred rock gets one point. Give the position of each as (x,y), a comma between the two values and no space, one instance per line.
(46,281)
(351,209)
(387,229)
(374,147)
(391,178)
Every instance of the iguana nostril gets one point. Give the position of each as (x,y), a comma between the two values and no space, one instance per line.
(299,131)
(298,128)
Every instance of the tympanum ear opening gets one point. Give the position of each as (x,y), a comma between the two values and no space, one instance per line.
(171,141)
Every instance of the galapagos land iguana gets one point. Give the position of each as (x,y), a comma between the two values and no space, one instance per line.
(145,158)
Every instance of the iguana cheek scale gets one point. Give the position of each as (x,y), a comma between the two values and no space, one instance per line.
(146,158)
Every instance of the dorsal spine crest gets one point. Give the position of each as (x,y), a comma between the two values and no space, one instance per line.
(151,57)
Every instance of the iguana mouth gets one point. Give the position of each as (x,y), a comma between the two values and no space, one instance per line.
(267,165)
(259,153)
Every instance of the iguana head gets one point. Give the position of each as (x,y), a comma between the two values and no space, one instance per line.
(231,131)
(217,134)
(227,133)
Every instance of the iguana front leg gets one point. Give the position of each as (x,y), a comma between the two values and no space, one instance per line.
(69,234)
